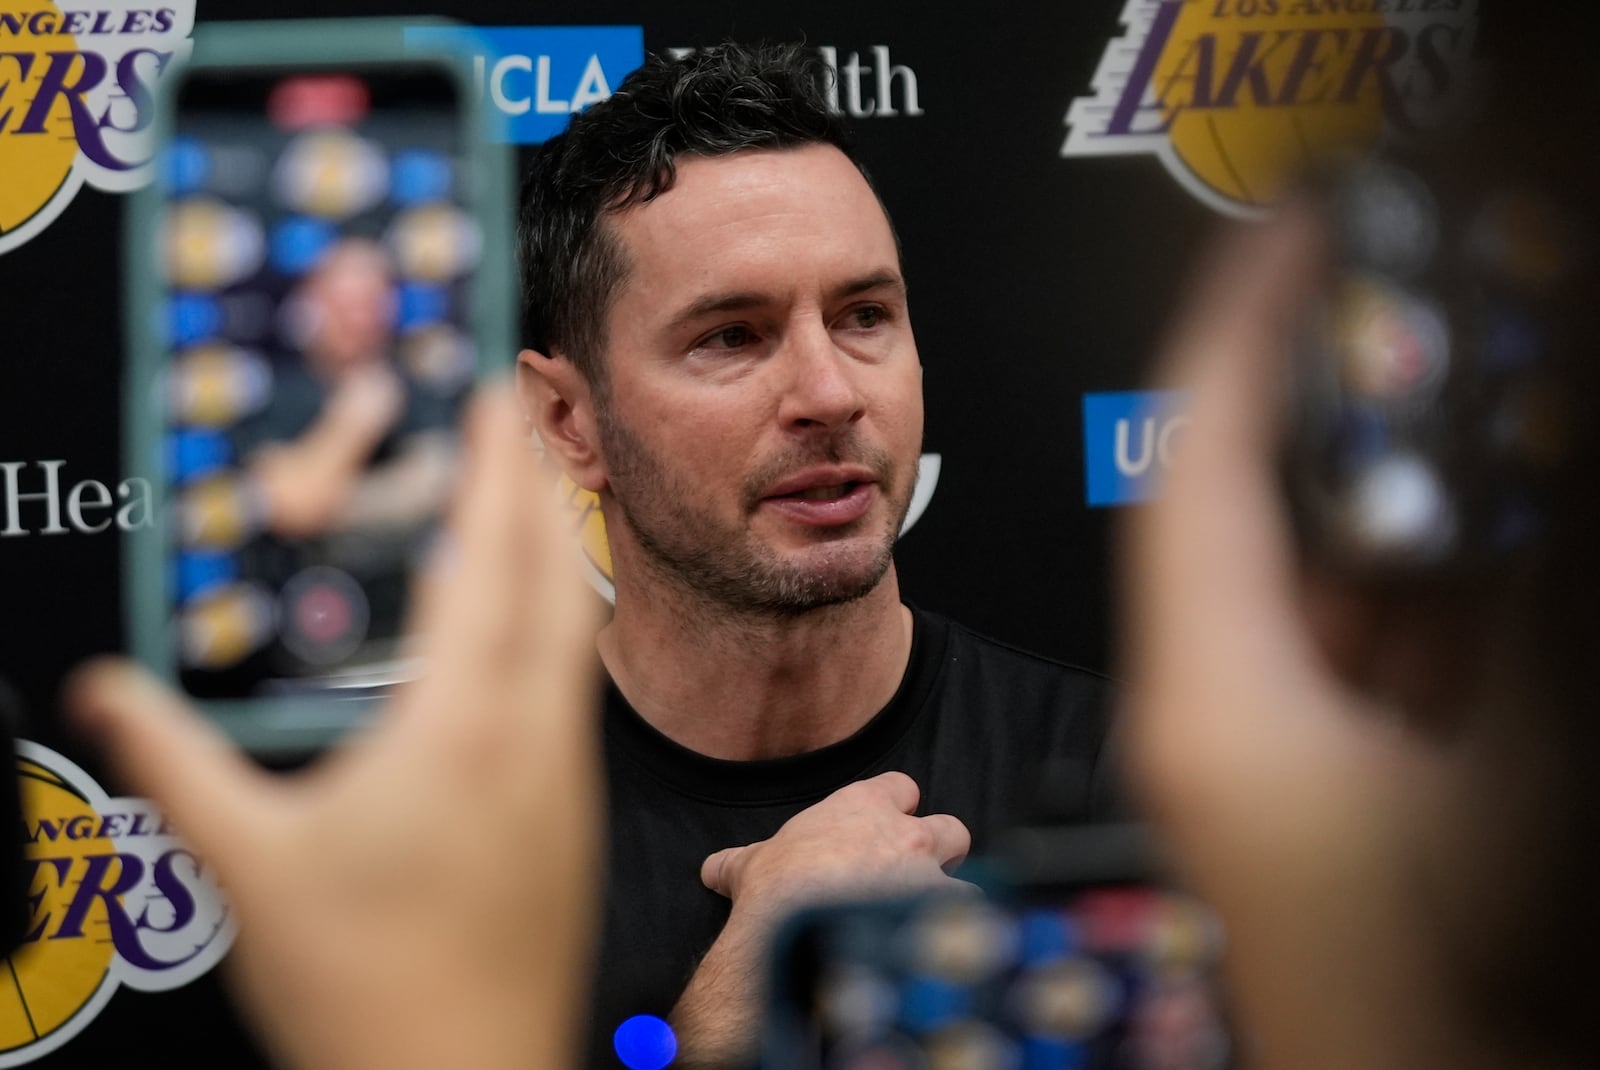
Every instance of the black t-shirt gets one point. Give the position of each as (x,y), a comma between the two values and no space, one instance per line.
(989,733)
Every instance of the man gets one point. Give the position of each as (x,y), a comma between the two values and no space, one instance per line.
(722,352)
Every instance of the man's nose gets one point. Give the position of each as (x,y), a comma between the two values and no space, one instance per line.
(822,388)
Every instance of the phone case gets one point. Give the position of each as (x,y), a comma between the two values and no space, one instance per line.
(154,314)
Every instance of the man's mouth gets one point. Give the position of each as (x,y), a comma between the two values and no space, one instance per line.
(824,494)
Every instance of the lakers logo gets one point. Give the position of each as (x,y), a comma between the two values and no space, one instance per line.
(75,91)
(116,899)
(1236,96)
(583,509)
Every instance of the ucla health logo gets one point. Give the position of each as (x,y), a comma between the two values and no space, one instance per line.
(1129,439)
(1234,96)
(536,77)
(116,899)
(75,92)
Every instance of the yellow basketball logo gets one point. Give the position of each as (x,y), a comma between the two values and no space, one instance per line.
(115,899)
(1237,96)
(75,89)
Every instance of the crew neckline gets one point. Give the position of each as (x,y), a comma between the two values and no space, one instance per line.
(799,777)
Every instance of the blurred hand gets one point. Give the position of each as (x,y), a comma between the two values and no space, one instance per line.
(364,404)
(424,896)
(861,840)
(1363,785)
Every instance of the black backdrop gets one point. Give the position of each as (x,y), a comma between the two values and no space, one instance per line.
(1034,279)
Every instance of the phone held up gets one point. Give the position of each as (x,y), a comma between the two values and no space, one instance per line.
(316,280)
(1438,396)
(1080,955)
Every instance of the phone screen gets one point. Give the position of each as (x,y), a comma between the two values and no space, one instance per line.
(317,251)
(1107,976)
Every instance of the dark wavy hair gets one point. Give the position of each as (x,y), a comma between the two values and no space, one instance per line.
(624,150)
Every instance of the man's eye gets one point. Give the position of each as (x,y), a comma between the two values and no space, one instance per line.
(727,338)
(867,316)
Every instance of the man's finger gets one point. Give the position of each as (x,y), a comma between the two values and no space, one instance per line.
(164,751)
(720,871)
(898,788)
(951,839)
(1211,556)
(473,606)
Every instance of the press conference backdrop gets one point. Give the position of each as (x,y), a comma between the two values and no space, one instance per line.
(1051,169)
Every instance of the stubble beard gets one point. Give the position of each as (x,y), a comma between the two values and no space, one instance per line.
(732,569)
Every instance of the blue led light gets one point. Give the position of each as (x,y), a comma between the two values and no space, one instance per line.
(645,1042)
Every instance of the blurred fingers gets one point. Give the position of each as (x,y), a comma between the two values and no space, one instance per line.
(162,749)
(1209,567)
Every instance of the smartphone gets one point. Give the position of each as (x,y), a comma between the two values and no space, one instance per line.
(1434,399)
(1076,954)
(316,279)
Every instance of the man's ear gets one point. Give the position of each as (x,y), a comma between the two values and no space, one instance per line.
(558,403)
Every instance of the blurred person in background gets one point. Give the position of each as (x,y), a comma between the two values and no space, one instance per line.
(344,446)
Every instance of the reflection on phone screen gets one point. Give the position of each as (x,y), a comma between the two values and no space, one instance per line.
(317,252)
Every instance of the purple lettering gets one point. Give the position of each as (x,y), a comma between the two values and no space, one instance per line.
(111,825)
(41,23)
(62,866)
(1132,99)
(1247,66)
(175,890)
(58,81)
(135,22)
(80,827)
(55,84)
(1305,62)
(135,89)
(1433,58)
(72,22)
(164,17)
(1202,55)
(94,886)
(1379,49)
(50,830)
(102,22)
(10,23)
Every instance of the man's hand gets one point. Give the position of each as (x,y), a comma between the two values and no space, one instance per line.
(308,483)
(423,896)
(861,840)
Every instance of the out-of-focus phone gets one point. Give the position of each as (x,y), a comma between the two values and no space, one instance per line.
(316,280)
(1433,404)
(1078,956)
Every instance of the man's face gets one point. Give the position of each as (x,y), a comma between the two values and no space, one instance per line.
(763,412)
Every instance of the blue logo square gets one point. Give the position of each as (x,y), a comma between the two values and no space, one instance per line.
(536,77)
(1128,437)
